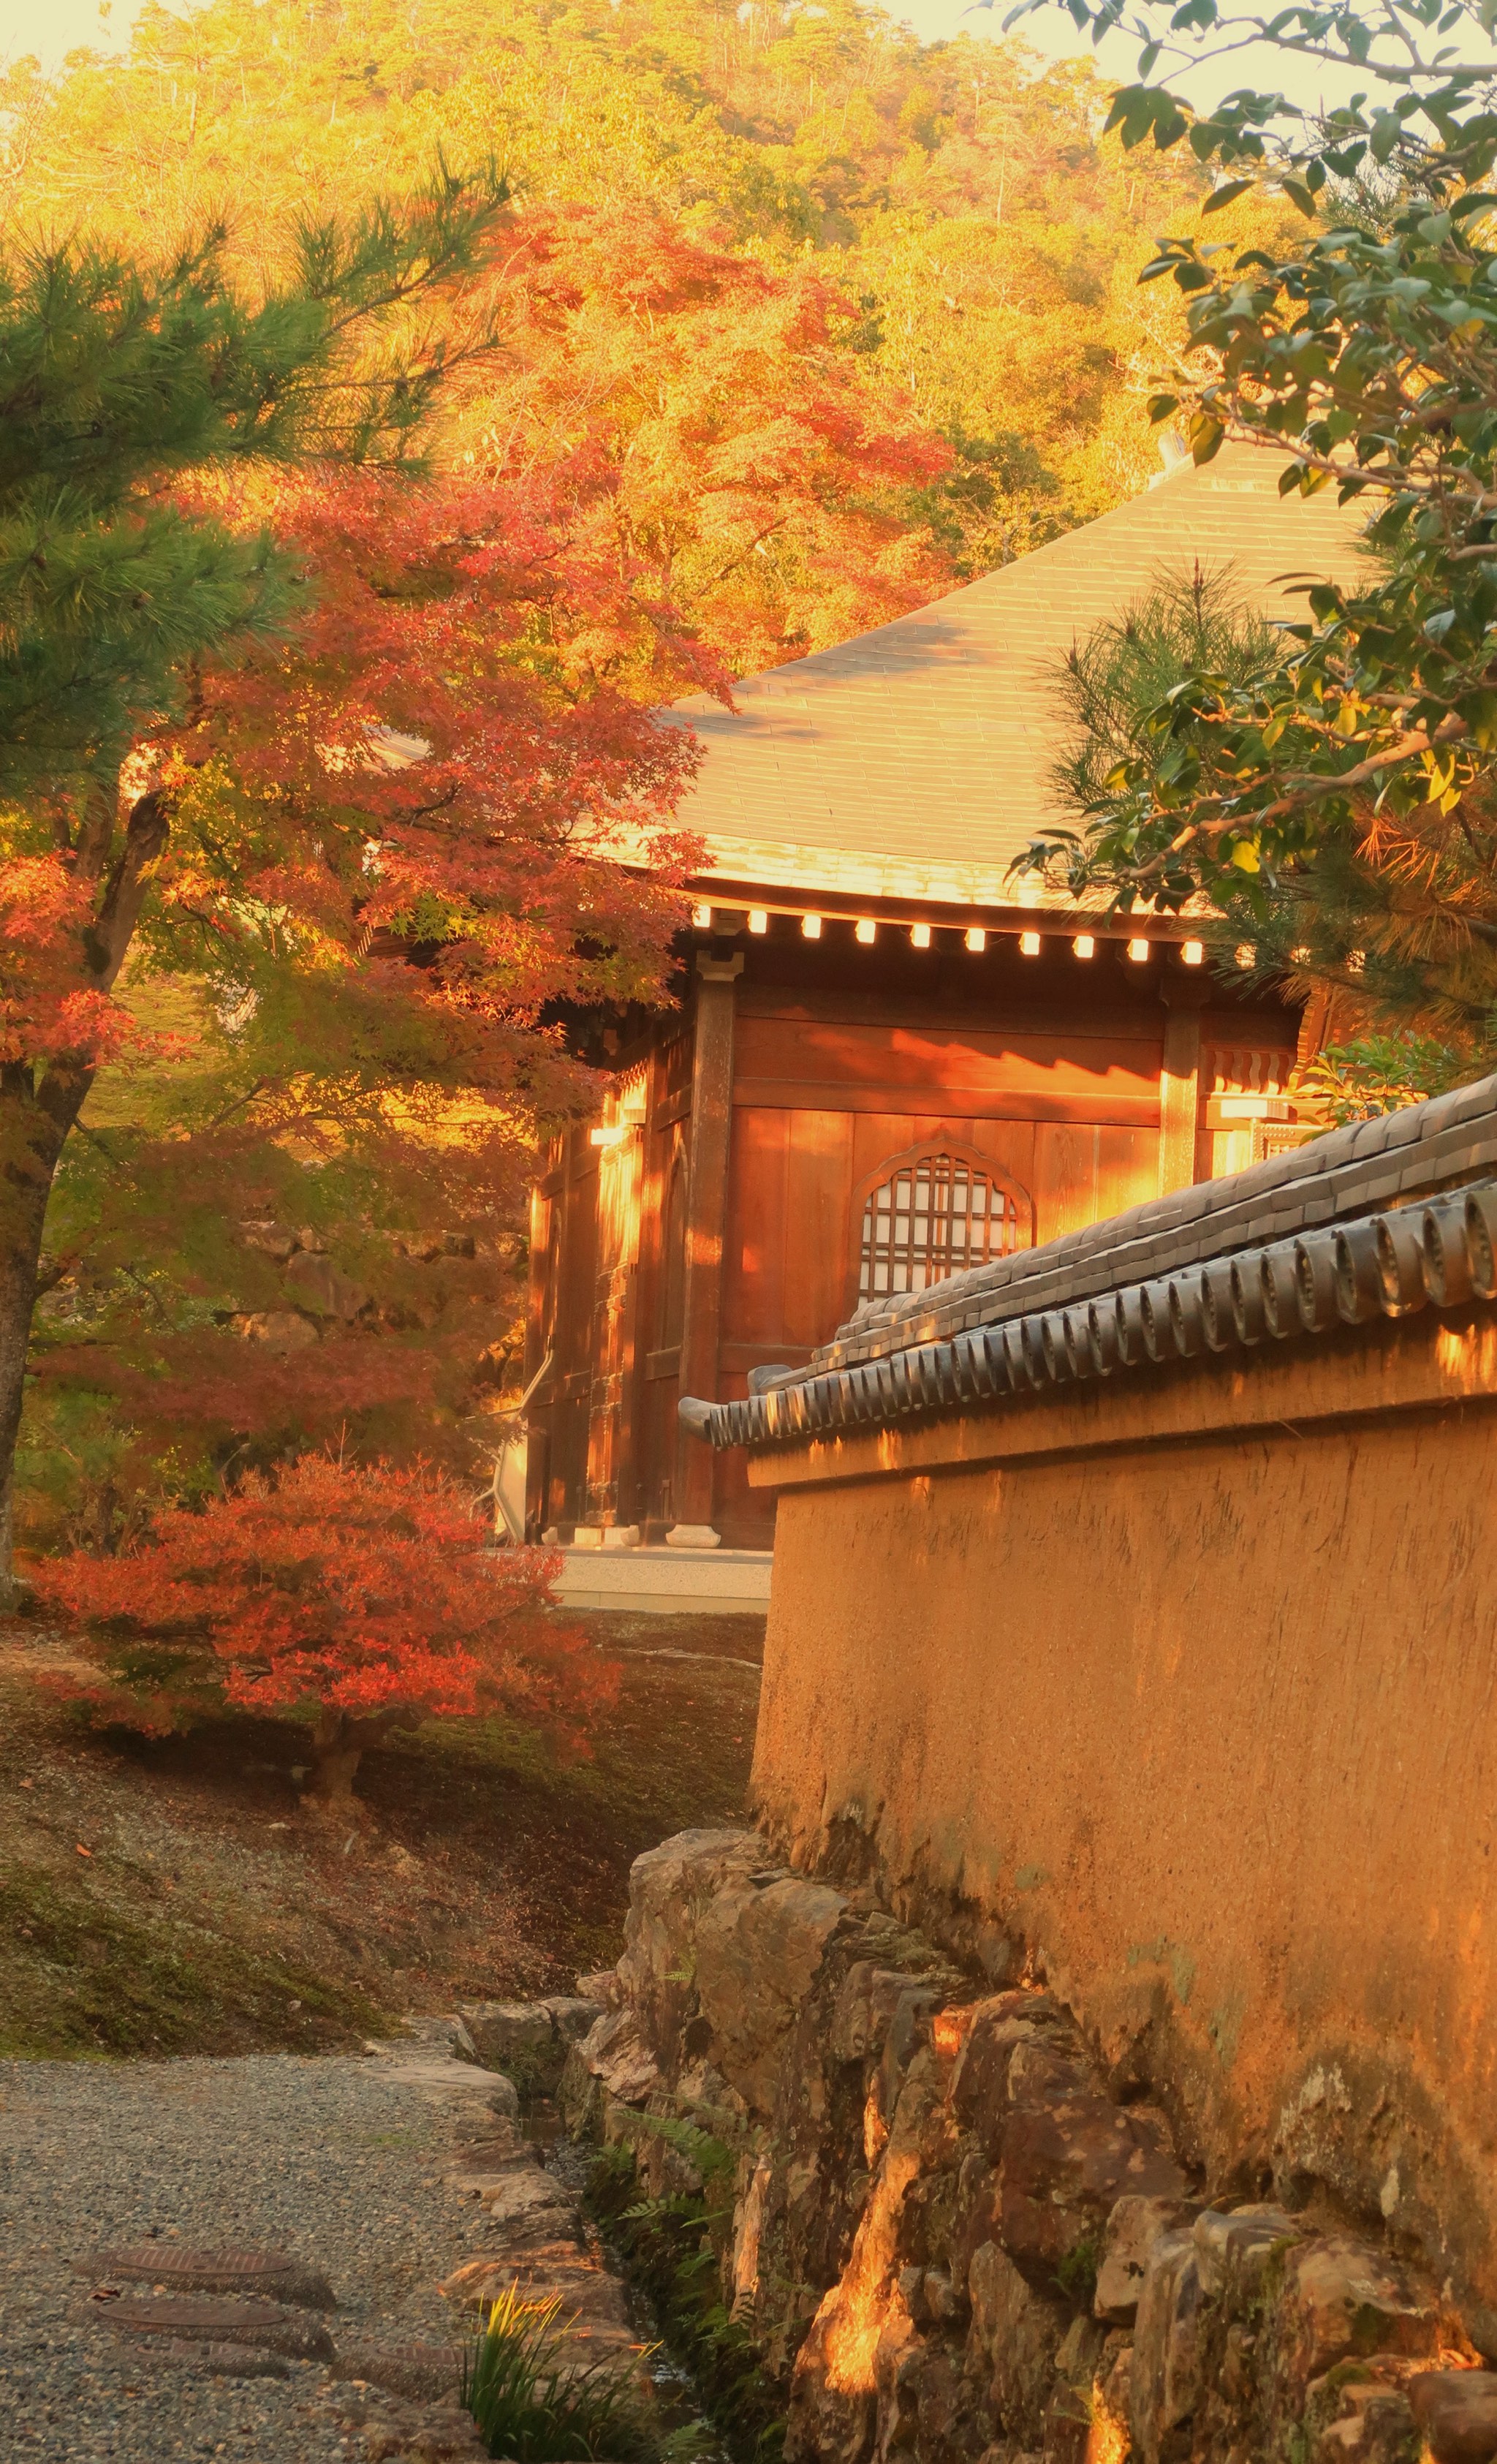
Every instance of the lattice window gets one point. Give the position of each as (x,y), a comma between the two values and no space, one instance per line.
(933,1216)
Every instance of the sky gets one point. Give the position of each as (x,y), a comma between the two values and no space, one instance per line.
(52,28)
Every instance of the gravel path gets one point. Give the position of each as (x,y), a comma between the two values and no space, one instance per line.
(327,2158)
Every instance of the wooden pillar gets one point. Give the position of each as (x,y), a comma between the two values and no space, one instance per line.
(539,1305)
(1179,1087)
(615,1284)
(706,1229)
(1315,1028)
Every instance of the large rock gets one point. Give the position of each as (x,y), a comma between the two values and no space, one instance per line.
(1373,2424)
(530,2040)
(472,2098)
(1235,2248)
(1166,2371)
(320,1286)
(996,2030)
(1068,2154)
(758,1952)
(506,2034)
(1076,2404)
(669,1887)
(615,2053)
(1342,2301)
(573,2015)
(1013,2341)
(1457,2411)
(866,2004)
(529,2204)
(279,1329)
(1134,2226)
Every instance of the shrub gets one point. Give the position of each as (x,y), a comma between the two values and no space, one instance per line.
(364,1599)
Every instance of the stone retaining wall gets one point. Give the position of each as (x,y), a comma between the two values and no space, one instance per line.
(958,2234)
(1133,1635)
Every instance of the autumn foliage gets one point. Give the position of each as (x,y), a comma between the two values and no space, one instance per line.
(362,1599)
(327,917)
(710,422)
(775,326)
(47,1006)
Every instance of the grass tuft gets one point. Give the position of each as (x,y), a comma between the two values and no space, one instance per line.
(537,2400)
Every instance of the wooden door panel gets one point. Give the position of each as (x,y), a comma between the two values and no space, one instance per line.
(1071,1065)
(753,1301)
(876,1136)
(1010,1144)
(1128,1170)
(1068,1172)
(744,1516)
(819,1191)
(1226,1150)
(1083,1175)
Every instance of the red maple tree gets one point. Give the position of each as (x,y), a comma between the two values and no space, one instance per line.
(718,428)
(364,1599)
(383,850)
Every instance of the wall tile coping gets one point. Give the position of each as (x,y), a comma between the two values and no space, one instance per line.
(1296,1245)
(1329,1181)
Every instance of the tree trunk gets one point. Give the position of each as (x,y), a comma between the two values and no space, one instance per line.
(30,1141)
(333,1769)
(338,1744)
(40,1100)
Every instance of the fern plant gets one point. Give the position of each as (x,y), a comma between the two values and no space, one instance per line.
(710,2157)
(672,2248)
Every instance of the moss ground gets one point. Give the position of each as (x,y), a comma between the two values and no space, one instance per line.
(175,1896)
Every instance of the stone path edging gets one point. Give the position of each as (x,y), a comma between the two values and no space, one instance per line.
(239,2312)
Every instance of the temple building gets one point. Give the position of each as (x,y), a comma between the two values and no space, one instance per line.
(891,1063)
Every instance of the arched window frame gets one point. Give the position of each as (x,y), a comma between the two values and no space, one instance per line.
(928,1150)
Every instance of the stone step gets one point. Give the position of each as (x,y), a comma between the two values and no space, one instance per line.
(423,2374)
(276,2274)
(220,2360)
(269,2326)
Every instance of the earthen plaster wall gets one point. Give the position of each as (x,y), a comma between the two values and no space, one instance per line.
(1182,1692)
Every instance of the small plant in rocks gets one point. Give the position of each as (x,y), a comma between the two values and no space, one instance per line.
(672,2248)
(537,2400)
(1077,2272)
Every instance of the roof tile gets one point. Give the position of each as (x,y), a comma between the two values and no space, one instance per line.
(916,758)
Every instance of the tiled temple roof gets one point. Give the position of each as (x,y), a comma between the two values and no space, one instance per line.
(1295,1246)
(913,761)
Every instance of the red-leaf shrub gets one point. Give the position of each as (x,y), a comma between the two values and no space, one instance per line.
(368,1598)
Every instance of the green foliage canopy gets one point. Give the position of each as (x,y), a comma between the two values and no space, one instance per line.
(116,378)
(1367,356)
